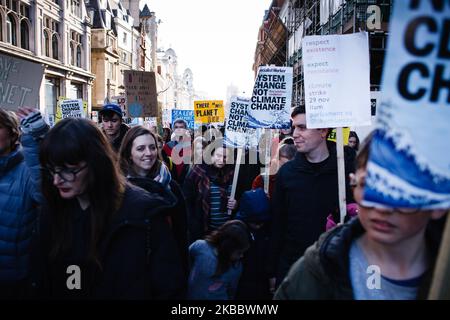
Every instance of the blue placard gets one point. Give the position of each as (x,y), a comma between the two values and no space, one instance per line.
(186,115)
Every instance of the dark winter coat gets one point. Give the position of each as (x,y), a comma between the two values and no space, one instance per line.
(323,273)
(176,212)
(118,141)
(137,252)
(303,198)
(19,199)
(254,280)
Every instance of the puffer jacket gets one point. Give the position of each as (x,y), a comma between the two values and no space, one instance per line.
(19,199)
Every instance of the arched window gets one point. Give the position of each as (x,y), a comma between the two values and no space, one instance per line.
(46,44)
(78,56)
(1,28)
(55,47)
(11,32)
(24,35)
(72,55)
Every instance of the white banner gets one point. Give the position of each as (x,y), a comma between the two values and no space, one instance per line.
(337,80)
(270,105)
(237,132)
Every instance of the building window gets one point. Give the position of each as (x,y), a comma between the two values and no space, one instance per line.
(76,8)
(24,35)
(79,56)
(25,11)
(75,49)
(52,93)
(55,47)
(124,38)
(72,56)
(51,38)
(11,33)
(75,91)
(46,44)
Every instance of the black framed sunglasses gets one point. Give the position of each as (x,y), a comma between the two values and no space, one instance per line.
(66,174)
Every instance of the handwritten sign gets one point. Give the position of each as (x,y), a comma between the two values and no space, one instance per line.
(140,87)
(20,82)
(210,111)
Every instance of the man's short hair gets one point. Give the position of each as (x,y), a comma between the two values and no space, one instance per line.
(180,121)
(298,110)
(9,121)
(108,115)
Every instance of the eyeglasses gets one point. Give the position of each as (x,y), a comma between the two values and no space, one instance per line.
(66,174)
(354,183)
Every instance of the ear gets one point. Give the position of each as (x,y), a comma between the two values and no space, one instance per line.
(324,133)
(438,213)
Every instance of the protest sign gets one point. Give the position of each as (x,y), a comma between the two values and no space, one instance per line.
(20,82)
(59,115)
(186,115)
(122,102)
(332,135)
(140,87)
(237,132)
(270,105)
(71,109)
(409,165)
(337,80)
(166,118)
(209,111)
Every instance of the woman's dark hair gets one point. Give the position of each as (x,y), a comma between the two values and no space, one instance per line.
(287,151)
(362,157)
(9,121)
(354,135)
(72,141)
(126,164)
(232,236)
(166,135)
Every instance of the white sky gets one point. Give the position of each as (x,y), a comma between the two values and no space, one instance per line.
(216,39)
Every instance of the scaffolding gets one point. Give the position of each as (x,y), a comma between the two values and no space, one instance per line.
(344,16)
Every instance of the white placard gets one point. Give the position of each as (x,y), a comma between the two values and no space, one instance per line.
(337,80)
(270,105)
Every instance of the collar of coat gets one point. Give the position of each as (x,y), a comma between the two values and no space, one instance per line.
(328,258)
(330,166)
(10,161)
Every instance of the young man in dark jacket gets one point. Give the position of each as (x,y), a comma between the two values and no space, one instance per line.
(305,194)
(112,124)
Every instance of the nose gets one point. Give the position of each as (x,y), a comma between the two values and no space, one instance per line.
(147,151)
(57,180)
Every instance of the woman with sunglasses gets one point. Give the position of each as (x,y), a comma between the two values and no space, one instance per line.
(382,254)
(99,236)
